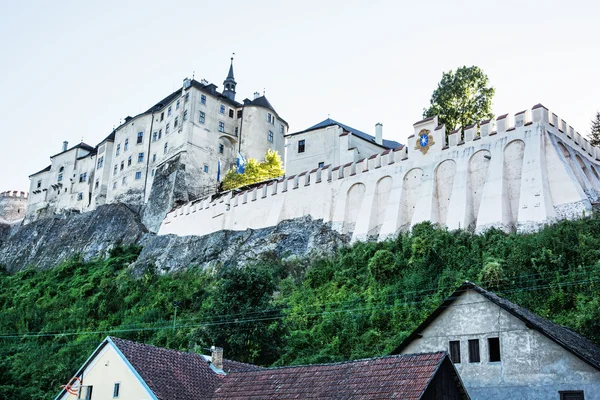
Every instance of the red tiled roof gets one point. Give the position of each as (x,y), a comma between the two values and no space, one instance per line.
(173,374)
(401,377)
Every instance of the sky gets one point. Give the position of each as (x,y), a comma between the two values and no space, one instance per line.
(72,70)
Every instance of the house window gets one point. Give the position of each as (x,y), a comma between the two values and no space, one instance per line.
(155,136)
(239,114)
(202,99)
(141,157)
(39,183)
(177,105)
(221,126)
(474,351)
(126,144)
(236,131)
(176,122)
(494,347)
(169,111)
(571,395)
(114,185)
(124,180)
(222,109)
(221,148)
(129,161)
(138,175)
(159,133)
(166,147)
(162,116)
(321,164)
(187,96)
(185,115)
(154,157)
(455,351)
(281,129)
(152,172)
(202,118)
(79,196)
(205,168)
(270,136)
(115,169)
(230,113)
(83,177)
(167,128)
(122,165)
(269,118)
(140,137)
(85,393)
(116,390)
(100,162)
(118,149)
(60,177)
(301,146)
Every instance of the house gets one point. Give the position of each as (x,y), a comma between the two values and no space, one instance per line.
(503,351)
(121,369)
(409,377)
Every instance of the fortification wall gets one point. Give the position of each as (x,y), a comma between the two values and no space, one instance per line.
(517,172)
(13,205)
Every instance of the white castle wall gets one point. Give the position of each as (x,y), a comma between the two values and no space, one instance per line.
(519,176)
(12,206)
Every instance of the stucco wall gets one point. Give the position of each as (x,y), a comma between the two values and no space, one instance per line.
(531,367)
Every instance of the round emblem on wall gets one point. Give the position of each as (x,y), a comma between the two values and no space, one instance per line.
(424,141)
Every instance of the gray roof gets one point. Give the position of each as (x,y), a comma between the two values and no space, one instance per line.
(43,170)
(81,145)
(565,337)
(389,144)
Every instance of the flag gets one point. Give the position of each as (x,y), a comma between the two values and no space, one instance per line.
(219,171)
(241,163)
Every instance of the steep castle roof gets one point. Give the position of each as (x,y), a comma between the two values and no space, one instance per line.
(389,144)
(565,337)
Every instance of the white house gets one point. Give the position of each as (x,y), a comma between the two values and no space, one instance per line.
(503,351)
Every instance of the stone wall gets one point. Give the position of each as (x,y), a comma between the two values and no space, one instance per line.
(13,205)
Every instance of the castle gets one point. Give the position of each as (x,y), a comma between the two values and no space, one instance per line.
(514,173)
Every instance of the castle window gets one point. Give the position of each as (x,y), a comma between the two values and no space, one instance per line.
(236,131)
(61,169)
(129,161)
(126,144)
(115,170)
(114,185)
(177,105)
(222,109)
(166,147)
(96,184)
(124,180)
(187,96)
(571,395)
(160,133)
(281,129)
(270,136)
(79,196)
(118,149)
(455,351)
(185,113)
(83,177)
(140,137)
(154,157)
(141,157)
(153,172)
(221,148)
(202,99)
(39,183)
(205,168)
(231,113)
(321,164)
(169,111)
(100,162)
(167,128)
(269,117)
(494,348)
(202,117)
(162,116)
(60,176)
(176,122)
(239,114)
(122,165)
(155,136)
(116,390)
(221,126)
(301,146)
(474,351)
(138,175)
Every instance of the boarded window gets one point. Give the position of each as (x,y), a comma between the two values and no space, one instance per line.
(455,351)
(571,395)
(474,351)
(494,347)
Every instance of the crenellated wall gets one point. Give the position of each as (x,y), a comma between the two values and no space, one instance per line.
(517,172)
(12,206)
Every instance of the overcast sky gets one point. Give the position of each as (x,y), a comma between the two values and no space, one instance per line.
(73,69)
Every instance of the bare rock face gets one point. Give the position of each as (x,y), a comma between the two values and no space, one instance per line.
(293,238)
(47,242)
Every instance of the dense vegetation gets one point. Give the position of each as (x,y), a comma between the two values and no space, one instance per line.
(360,302)
(255,171)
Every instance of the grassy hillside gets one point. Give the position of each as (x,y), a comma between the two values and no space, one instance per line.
(361,302)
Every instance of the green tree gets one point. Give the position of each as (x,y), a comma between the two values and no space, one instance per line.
(255,171)
(462,98)
(595,130)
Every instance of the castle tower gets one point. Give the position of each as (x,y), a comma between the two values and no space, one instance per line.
(229,83)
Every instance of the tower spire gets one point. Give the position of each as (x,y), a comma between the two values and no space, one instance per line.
(229,83)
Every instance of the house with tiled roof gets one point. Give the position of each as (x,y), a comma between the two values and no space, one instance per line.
(332,142)
(504,351)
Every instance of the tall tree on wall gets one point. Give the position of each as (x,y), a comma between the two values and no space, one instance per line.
(461,98)
(594,135)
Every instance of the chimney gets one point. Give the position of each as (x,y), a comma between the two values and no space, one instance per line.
(379,133)
(65,145)
(256,95)
(217,357)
